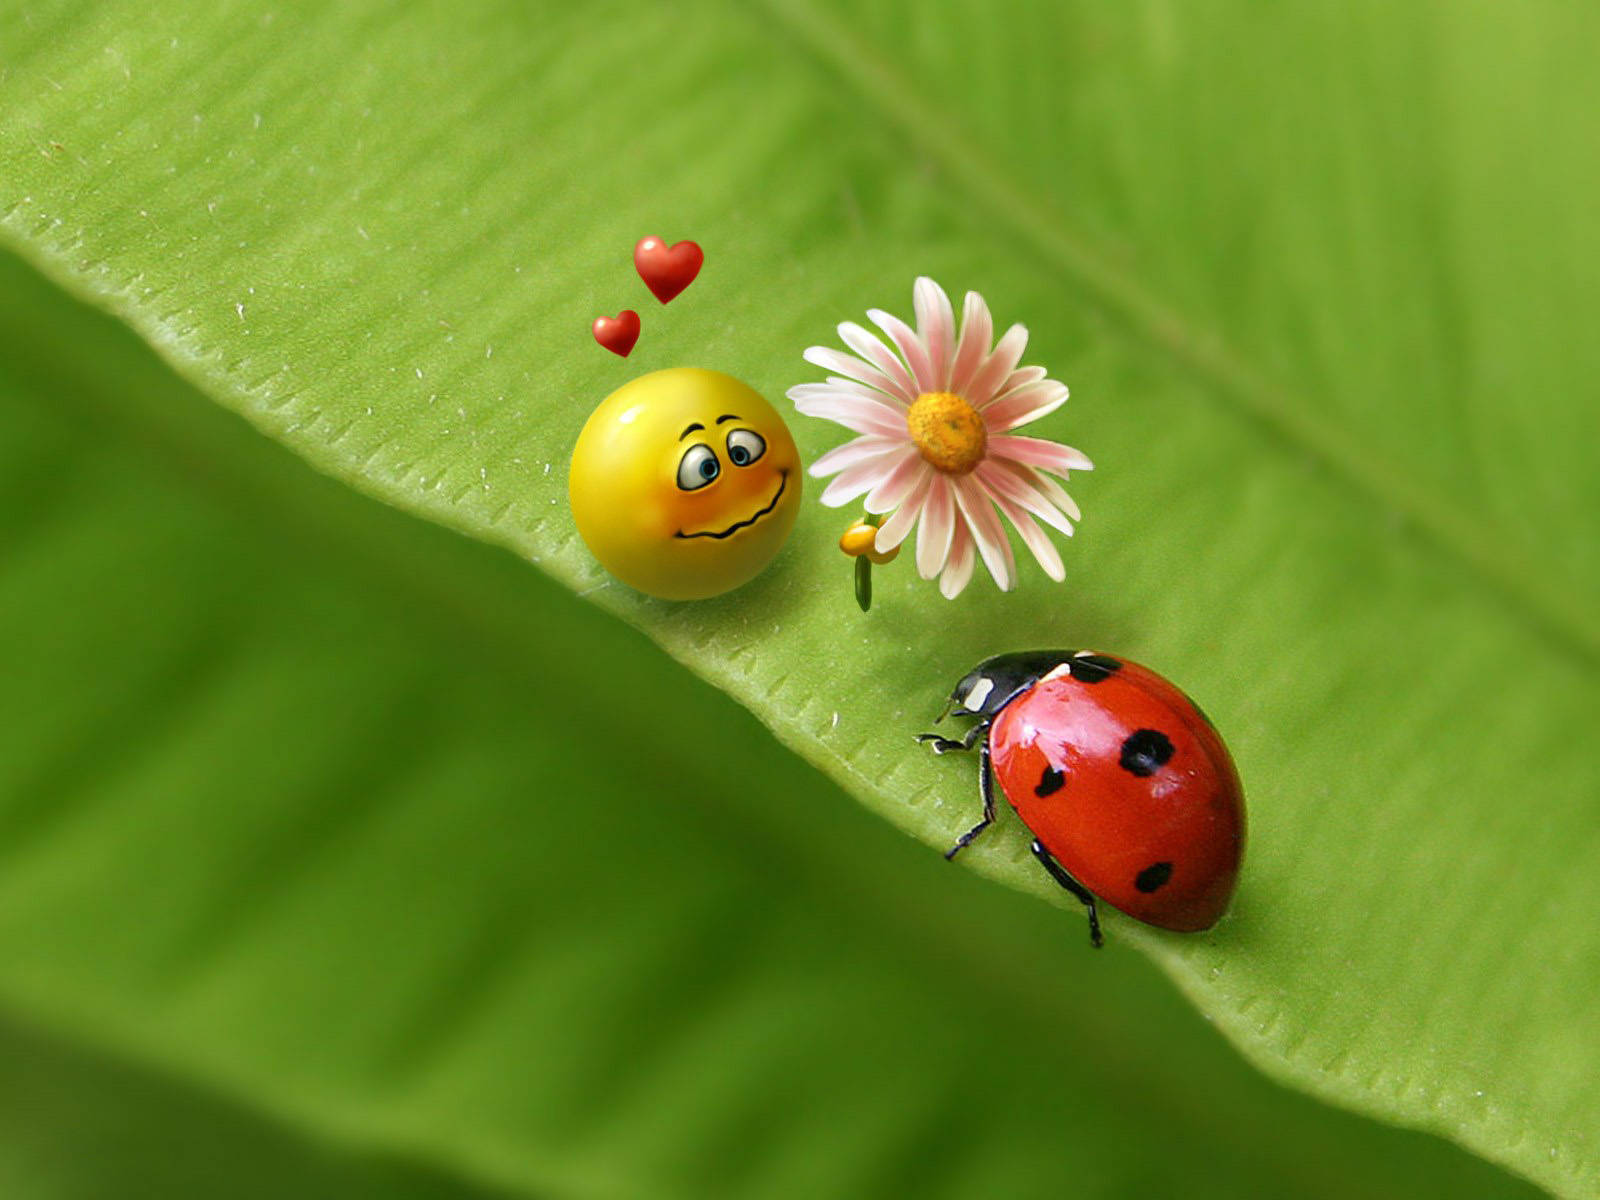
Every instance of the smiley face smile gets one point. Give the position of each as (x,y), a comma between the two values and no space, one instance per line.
(783,482)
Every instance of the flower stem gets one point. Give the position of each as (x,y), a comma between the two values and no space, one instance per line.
(864,568)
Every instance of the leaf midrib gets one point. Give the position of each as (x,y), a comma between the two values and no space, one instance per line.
(1539,596)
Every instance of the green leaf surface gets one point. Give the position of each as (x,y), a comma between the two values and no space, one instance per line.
(1322,282)
(343,856)
(82,1124)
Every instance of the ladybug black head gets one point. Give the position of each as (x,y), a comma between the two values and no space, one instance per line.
(993,683)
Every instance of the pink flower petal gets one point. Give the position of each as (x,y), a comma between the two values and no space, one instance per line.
(854,481)
(853,412)
(1024,404)
(1036,452)
(977,331)
(850,387)
(894,531)
(959,570)
(909,345)
(834,387)
(1021,377)
(987,532)
(850,367)
(936,322)
(900,481)
(1053,492)
(1002,360)
(1004,482)
(853,452)
(1034,538)
(880,356)
(938,526)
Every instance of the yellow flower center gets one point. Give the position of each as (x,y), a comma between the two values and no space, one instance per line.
(948,431)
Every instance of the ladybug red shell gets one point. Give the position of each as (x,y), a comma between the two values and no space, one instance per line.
(1130,793)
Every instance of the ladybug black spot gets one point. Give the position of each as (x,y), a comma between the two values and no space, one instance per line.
(1092,668)
(1145,752)
(1152,877)
(1049,783)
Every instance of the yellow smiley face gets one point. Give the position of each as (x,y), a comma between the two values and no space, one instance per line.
(684,483)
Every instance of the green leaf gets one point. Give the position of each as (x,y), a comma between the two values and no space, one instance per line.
(1322,283)
(86,1124)
(339,855)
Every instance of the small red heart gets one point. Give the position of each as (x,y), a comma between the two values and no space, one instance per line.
(667,271)
(618,334)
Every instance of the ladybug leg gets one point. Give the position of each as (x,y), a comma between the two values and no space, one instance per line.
(1059,874)
(986,786)
(943,745)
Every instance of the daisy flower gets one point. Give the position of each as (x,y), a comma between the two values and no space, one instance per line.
(934,410)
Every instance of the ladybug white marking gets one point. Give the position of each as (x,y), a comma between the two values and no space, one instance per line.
(978,694)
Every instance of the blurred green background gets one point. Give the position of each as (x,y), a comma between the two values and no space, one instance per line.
(343,854)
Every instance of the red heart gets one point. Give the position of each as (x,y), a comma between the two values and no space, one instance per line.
(666,272)
(618,334)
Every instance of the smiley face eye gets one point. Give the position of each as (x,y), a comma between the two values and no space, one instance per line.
(697,467)
(745,446)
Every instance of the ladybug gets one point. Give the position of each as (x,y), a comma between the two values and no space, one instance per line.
(1129,792)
